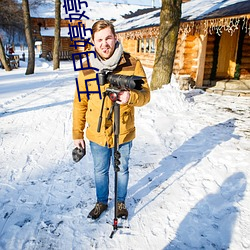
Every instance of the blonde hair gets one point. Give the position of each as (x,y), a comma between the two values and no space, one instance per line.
(100,25)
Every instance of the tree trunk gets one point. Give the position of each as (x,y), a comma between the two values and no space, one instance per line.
(56,59)
(3,57)
(168,34)
(29,39)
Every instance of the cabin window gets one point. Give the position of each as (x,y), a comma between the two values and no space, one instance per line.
(152,45)
(146,45)
(140,45)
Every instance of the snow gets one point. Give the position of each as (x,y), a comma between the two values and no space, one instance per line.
(192,10)
(145,20)
(196,9)
(94,11)
(156,3)
(64,32)
(189,169)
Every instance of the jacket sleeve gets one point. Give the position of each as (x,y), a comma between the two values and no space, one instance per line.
(79,110)
(141,97)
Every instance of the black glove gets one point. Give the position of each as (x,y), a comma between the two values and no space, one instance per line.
(78,153)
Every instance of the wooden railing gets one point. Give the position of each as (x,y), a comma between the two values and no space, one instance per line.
(63,55)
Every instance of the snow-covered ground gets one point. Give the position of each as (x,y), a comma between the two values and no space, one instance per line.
(189,170)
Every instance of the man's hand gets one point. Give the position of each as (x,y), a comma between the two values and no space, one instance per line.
(79,151)
(79,143)
(123,97)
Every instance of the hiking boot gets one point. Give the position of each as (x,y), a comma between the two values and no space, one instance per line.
(97,210)
(122,211)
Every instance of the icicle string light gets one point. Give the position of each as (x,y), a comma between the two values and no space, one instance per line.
(217,25)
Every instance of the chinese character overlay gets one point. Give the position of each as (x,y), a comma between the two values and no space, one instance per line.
(87,81)
(79,36)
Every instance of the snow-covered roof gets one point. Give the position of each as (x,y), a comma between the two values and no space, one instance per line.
(64,32)
(145,20)
(191,11)
(206,9)
(95,10)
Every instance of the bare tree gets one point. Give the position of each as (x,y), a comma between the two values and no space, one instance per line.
(3,57)
(168,34)
(11,18)
(11,25)
(28,33)
(56,59)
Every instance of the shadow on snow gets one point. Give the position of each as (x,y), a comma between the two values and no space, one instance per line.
(209,225)
(190,153)
(215,220)
(23,110)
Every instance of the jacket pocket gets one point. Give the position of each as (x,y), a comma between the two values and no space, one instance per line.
(127,120)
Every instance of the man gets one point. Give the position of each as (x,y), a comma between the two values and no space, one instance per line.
(109,56)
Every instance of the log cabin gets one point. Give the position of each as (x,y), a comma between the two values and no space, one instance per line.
(43,31)
(213,41)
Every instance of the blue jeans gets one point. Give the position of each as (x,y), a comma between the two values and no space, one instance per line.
(102,157)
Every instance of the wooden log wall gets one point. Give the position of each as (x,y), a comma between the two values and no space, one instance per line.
(48,45)
(190,56)
(146,59)
(209,58)
(131,46)
(48,41)
(178,61)
(46,22)
(186,55)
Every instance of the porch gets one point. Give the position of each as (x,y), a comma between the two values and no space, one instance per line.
(231,87)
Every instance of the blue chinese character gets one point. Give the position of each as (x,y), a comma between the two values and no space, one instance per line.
(71,5)
(81,63)
(78,16)
(78,31)
(81,43)
(87,89)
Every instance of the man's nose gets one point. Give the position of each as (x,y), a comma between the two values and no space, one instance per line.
(105,42)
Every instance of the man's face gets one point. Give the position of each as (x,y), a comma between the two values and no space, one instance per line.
(104,41)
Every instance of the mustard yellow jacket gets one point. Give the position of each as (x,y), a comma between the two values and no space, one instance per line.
(88,110)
